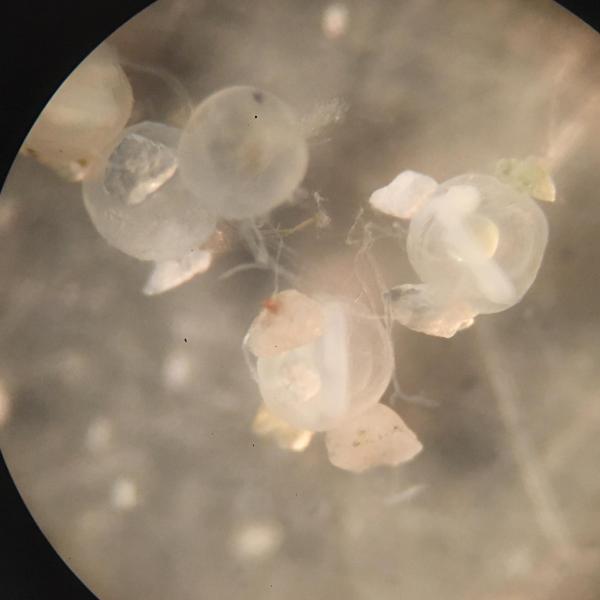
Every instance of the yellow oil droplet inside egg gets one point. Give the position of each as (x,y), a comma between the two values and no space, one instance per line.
(484,233)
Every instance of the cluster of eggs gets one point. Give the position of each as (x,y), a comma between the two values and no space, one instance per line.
(156,192)
(322,364)
(160,192)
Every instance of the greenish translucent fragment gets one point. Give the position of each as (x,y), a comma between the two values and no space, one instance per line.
(528,175)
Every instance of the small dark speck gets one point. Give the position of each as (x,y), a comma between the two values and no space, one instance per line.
(567,253)
(253,444)
(185,340)
(469,382)
(256,116)
(258,96)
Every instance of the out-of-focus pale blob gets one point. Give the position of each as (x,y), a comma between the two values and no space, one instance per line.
(5,405)
(80,123)
(169,274)
(336,375)
(257,540)
(530,176)
(124,494)
(403,197)
(242,152)
(99,435)
(288,320)
(374,438)
(335,20)
(417,307)
(266,424)
(138,204)
(8,212)
(177,371)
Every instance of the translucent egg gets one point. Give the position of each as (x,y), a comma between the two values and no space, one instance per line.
(317,384)
(84,117)
(242,152)
(478,240)
(374,438)
(137,202)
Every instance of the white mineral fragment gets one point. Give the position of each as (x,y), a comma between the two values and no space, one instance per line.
(169,274)
(138,204)
(403,197)
(374,438)
(416,307)
(81,121)
(137,167)
(288,320)
(530,175)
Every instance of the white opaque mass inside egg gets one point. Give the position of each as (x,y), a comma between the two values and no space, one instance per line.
(137,202)
(338,373)
(242,152)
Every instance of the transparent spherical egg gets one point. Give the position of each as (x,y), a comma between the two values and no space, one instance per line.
(479,241)
(137,202)
(242,152)
(343,370)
